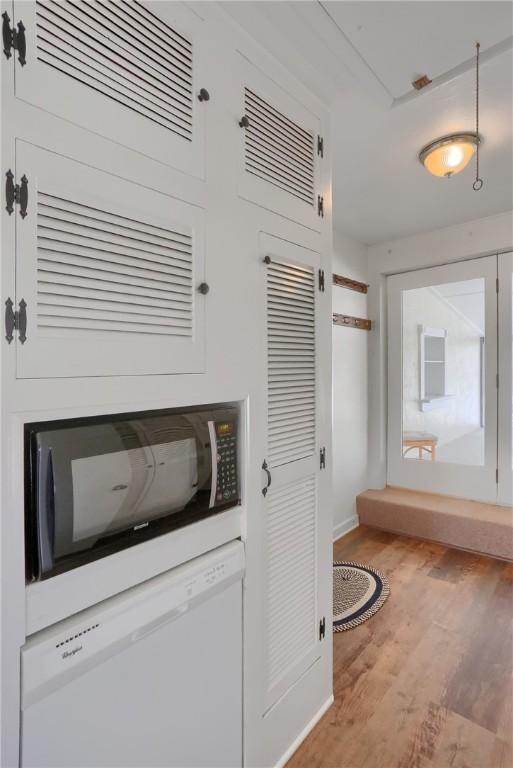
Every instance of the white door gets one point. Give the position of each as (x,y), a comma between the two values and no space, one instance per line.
(505,379)
(442,379)
(109,272)
(129,71)
(280,150)
(292,475)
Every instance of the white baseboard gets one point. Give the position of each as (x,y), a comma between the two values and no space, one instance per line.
(345,526)
(304,733)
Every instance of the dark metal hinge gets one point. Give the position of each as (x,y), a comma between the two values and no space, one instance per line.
(322,628)
(320,146)
(320,206)
(322,461)
(15,320)
(14,38)
(321,280)
(16,194)
(497,285)
(497,476)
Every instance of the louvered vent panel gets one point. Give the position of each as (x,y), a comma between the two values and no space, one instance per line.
(98,271)
(125,52)
(291,577)
(291,362)
(278,150)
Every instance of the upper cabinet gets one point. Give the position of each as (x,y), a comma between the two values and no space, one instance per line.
(281,150)
(131,72)
(109,274)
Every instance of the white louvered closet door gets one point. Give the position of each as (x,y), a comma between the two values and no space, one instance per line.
(109,271)
(291,501)
(281,150)
(130,71)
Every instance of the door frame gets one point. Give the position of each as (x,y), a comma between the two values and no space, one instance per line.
(473,482)
(504,437)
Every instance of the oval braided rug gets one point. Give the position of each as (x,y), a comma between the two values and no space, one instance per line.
(358,593)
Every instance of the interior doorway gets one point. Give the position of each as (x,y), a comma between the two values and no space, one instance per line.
(449,410)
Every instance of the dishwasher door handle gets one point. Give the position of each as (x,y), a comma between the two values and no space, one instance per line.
(160,621)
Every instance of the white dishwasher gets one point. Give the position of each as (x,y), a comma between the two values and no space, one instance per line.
(151,677)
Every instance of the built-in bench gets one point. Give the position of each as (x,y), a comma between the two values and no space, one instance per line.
(471,525)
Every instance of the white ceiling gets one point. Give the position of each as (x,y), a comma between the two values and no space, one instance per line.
(361,57)
(400,41)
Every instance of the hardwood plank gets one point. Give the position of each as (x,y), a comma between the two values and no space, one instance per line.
(426,682)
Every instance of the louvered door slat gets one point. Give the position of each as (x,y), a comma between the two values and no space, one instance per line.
(64,32)
(291,575)
(61,270)
(123,51)
(291,376)
(277,150)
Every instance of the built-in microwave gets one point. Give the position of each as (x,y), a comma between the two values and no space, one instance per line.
(98,485)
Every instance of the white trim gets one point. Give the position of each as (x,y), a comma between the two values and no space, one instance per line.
(345,526)
(304,733)
(505,486)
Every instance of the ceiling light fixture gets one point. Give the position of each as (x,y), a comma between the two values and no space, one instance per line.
(450,154)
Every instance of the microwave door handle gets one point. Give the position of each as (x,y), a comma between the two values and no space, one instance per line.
(213,456)
(45,524)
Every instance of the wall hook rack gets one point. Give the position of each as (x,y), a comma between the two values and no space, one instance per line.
(348,282)
(352,322)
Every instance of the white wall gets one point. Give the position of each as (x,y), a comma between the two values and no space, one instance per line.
(349,386)
(493,234)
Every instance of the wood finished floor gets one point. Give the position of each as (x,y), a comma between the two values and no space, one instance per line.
(427,681)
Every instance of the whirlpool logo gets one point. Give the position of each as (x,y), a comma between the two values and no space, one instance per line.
(68,654)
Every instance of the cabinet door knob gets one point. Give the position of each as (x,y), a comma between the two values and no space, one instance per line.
(204,288)
(203,95)
(244,121)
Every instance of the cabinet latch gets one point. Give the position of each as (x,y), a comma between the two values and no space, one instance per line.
(322,628)
(16,194)
(15,320)
(14,38)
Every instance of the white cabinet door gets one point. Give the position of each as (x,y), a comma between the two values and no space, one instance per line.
(291,502)
(109,271)
(128,71)
(279,150)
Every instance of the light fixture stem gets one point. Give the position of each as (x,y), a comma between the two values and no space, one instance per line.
(478,183)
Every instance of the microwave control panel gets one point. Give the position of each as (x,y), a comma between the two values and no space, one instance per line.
(227,481)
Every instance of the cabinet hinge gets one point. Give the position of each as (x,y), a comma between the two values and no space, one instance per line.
(322,628)
(497,285)
(320,206)
(321,280)
(497,380)
(14,38)
(16,194)
(320,146)
(15,320)
(497,476)
(322,461)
